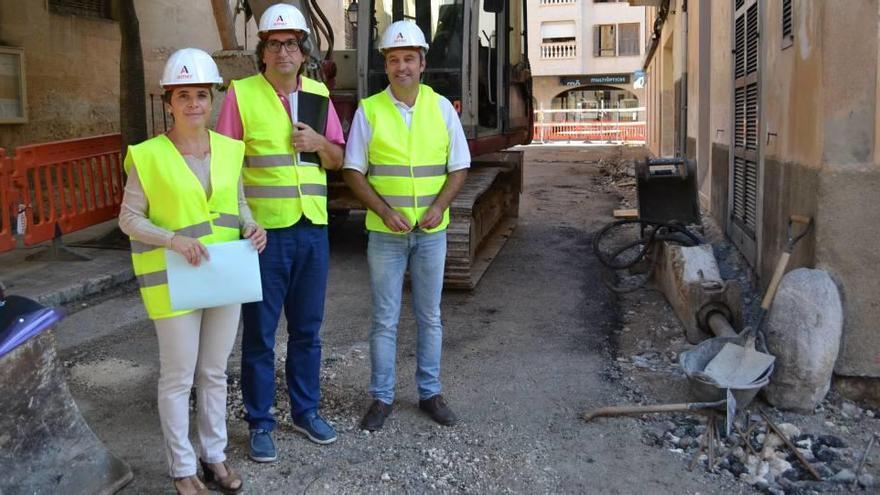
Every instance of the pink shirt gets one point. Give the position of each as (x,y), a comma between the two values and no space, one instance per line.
(229,119)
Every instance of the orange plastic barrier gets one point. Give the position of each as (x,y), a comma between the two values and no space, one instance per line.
(593,131)
(7,242)
(72,184)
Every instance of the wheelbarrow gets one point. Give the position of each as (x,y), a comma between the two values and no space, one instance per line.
(720,364)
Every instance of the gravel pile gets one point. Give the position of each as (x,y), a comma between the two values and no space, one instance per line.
(759,457)
(466,458)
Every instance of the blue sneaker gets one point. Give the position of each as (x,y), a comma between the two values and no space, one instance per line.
(315,428)
(262,446)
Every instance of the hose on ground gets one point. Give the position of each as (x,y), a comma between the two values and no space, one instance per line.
(651,233)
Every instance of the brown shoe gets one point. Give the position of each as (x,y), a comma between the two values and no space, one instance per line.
(438,410)
(375,417)
(231,483)
(190,485)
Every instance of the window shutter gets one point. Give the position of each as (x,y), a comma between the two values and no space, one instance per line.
(613,38)
(82,8)
(744,211)
(597,41)
(787,30)
(628,39)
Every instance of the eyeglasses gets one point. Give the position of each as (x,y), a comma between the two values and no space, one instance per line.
(274,46)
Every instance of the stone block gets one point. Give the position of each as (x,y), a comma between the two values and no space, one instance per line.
(803,328)
(690,279)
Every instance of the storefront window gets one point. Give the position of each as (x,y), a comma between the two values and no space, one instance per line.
(595,104)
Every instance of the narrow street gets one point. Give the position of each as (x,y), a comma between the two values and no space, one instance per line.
(524,355)
(684,305)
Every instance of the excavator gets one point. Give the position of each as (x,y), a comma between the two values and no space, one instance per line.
(477,59)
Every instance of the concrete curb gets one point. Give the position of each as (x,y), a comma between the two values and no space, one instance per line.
(86,288)
(53,283)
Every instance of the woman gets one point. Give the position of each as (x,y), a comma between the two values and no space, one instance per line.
(183,192)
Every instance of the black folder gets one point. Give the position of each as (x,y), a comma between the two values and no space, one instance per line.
(312,111)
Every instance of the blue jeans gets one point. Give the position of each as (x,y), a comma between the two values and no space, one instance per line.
(388,256)
(293,268)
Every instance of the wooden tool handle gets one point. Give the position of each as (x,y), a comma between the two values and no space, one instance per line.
(774,282)
(624,410)
(800,219)
(810,469)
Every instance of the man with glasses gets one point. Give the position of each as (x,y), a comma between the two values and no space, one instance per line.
(292,135)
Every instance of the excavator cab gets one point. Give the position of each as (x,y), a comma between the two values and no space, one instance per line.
(483,74)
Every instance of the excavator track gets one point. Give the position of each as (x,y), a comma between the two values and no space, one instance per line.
(482,217)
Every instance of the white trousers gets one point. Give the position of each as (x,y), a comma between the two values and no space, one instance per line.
(195,346)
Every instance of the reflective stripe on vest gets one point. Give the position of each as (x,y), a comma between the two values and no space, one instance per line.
(409,201)
(274,161)
(177,202)
(407,171)
(279,187)
(407,165)
(198,230)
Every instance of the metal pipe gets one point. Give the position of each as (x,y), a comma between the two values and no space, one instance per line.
(683,85)
(720,326)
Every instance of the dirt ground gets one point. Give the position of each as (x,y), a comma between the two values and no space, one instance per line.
(538,342)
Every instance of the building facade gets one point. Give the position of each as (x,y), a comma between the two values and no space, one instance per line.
(783,123)
(59,61)
(583,55)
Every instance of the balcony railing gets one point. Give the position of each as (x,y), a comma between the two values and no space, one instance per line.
(559,50)
(557,2)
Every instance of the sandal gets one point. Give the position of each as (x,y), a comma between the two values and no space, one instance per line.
(200,488)
(231,483)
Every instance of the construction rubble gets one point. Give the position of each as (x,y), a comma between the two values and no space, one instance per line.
(826,449)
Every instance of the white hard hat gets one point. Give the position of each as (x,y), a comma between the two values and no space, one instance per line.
(189,66)
(282,17)
(402,34)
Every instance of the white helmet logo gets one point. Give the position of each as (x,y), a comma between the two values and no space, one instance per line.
(401,34)
(190,66)
(282,17)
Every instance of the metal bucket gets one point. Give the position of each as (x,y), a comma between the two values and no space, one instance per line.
(694,361)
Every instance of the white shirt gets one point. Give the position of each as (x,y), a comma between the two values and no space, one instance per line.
(356,158)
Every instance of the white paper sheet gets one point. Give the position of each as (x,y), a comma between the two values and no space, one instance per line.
(231,276)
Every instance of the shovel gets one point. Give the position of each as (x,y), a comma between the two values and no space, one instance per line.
(743,364)
(728,404)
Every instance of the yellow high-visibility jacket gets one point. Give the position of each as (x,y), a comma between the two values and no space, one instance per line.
(177,202)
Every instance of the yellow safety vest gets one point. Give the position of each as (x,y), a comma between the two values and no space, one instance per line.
(407,165)
(177,202)
(279,187)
